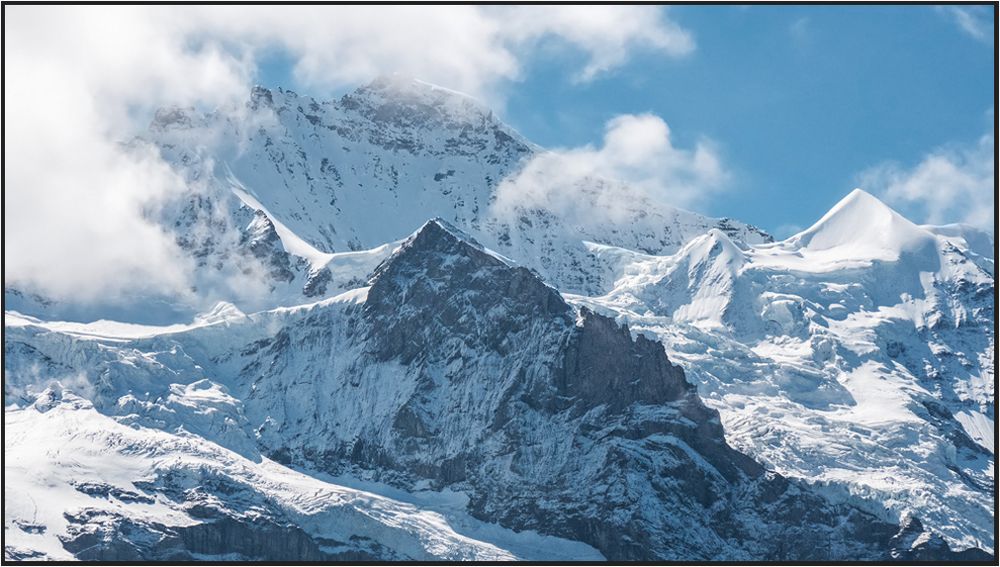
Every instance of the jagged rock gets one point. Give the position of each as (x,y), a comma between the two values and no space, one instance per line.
(263,242)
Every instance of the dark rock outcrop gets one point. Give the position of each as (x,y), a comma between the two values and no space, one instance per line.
(262,240)
(99,536)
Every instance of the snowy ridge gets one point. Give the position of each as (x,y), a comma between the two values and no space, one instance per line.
(860,345)
(226,382)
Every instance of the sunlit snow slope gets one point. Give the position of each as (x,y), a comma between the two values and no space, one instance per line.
(857,354)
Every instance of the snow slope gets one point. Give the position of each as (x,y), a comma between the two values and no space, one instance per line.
(76,480)
(857,354)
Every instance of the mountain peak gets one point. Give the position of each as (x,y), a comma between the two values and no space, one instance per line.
(858,205)
(403,87)
(439,235)
(402,100)
(865,225)
(438,224)
(441,277)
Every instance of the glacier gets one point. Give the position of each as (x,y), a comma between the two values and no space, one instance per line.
(497,385)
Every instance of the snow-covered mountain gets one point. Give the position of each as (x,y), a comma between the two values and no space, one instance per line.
(284,190)
(354,173)
(500,386)
(857,354)
(454,368)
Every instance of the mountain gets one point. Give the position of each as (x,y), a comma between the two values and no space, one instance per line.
(278,189)
(354,173)
(499,384)
(454,367)
(857,354)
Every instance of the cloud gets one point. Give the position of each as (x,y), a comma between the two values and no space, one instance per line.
(469,48)
(637,163)
(74,196)
(799,30)
(950,184)
(607,34)
(976,21)
(83,79)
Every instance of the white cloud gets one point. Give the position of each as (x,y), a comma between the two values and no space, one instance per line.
(74,197)
(81,79)
(951,184)
(469,48)
(606,33)
(638,154)
(799,30)
(977,21)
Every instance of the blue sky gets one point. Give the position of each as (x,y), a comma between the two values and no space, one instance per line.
(801,99)
(797,100)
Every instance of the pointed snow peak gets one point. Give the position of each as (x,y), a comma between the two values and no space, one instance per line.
(862,197)
(437,279)
(438,224)
(439,237)
(863,223)
(858,205)
(715,246)
(717,236)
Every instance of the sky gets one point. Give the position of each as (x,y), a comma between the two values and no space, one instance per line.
(801,103)
(766,114)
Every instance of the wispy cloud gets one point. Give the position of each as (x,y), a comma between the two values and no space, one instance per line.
(799,30)
(950,184)
(85,78)
(976,21)
(607,34)
(637,163)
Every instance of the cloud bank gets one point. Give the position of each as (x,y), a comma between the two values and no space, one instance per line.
(637,162)
(949,184)
(469,48)
(79,80)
